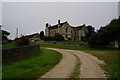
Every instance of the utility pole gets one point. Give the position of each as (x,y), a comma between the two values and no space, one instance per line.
(17,33)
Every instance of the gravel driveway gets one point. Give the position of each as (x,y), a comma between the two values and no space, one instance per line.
(64,68)
(89,67)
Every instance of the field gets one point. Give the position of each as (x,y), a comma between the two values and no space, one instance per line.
(32,67)
(109,56)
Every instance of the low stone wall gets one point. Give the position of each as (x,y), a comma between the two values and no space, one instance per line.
(74,44)
(62,44)
(18,53)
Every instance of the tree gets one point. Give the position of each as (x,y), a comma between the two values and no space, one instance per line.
(114,28)
(106,34)
(91,30)
(99,39)
(41,34)
(5,34)
(101,29)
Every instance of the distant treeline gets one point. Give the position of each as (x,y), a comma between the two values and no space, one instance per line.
(106,34)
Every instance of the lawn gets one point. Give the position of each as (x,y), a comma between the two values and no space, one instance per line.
(32,66)
(74,42)
(63,47)
(73,47)
(109,56)
(10,45)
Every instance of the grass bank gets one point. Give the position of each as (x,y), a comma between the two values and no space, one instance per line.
(109,56)
(33,66)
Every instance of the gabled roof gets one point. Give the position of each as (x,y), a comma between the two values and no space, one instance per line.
(32,35)
(78,27)
(55,26)
(61,24)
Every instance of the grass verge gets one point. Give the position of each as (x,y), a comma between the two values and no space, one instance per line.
(32,66)
(76,72)
(111,59)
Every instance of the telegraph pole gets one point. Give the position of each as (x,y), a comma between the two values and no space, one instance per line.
(17,33)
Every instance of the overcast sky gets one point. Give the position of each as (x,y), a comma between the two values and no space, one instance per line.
(0,13)
(119,8)
(31,17)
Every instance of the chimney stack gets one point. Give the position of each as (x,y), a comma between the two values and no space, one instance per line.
(58,21)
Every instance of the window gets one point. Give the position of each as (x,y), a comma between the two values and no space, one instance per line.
(66,30)
(66,36)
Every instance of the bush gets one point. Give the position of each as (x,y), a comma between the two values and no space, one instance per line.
(47,38)
(83,38)
(22,41)
(58,37)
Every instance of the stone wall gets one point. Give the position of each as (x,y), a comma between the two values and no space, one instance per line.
(73,44)
(62,44)
(18,53)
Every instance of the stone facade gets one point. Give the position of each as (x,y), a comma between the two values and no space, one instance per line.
(66,30)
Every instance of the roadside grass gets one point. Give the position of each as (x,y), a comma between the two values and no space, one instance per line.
(110,56)
(76,72)
(10,45)
(32,67)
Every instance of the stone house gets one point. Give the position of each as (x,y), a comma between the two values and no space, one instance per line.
(34,37)
(66,30)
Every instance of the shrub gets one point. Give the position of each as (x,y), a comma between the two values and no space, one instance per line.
(22,41)
(58,37)
(48,38)
(83,38)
